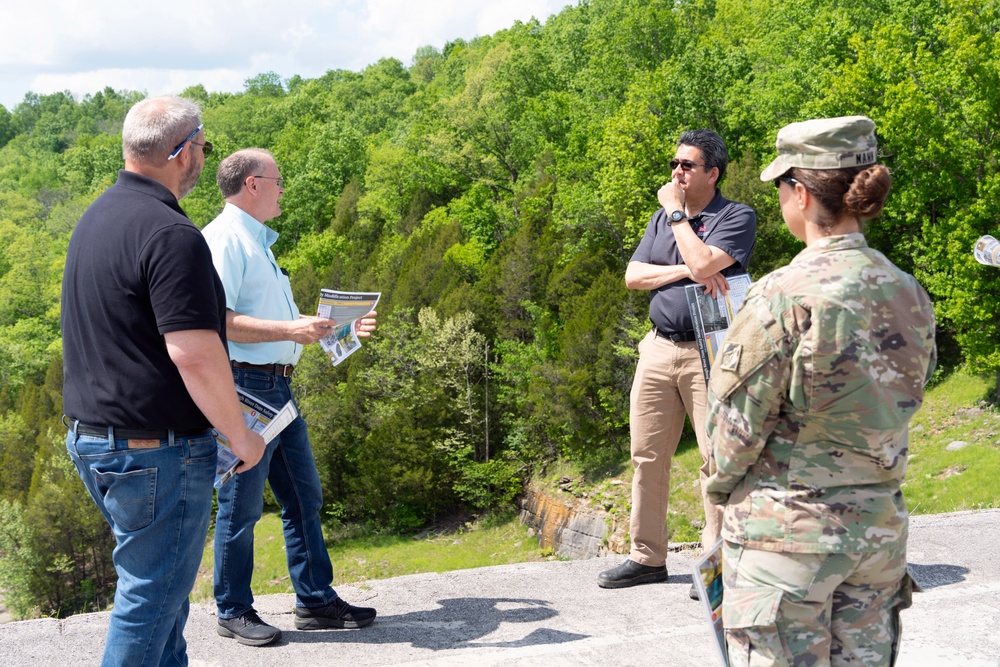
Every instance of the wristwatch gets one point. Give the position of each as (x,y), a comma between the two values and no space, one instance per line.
(676,217)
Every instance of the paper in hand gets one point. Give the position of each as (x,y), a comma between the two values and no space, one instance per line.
(987,251)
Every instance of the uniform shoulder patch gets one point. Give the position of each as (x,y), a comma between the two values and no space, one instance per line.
(730,358)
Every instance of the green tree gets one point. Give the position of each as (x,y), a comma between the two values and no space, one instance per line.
(16,561)
(266,84)
(6,126)
(486,137)
(332,156)
(55,549)
(17,457)
(933,92)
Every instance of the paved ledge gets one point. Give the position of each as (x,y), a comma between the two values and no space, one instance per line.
(555,612)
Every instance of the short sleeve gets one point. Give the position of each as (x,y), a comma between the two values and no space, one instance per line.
(177,268)
(644,252)
(734,232)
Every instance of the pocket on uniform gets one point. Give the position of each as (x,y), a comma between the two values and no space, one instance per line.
(905,596)
(750,617)
(129,497)
(751,607)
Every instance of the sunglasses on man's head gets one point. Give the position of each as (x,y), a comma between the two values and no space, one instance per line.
(686,165)
(207,146)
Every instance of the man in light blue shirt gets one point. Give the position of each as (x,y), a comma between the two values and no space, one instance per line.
(266,334)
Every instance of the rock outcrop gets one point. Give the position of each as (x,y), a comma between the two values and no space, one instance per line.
(570,528)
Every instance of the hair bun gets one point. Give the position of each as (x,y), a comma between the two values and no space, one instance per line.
(866,195)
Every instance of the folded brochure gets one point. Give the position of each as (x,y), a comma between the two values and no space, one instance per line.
(260,417)
(707,577)
(711,317)
(344,308)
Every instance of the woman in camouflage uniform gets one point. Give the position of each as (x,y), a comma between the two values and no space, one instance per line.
(808,409)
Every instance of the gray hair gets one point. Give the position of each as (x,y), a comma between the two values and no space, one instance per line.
(154,127)
(712,147)
(234,170)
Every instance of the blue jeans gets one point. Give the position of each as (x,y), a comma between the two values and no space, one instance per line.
(158,501)
(289,467)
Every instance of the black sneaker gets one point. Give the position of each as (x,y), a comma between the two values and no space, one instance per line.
(631,573)
(249,629)
(337,614)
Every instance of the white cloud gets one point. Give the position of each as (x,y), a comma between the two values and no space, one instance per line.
(297,35)
(53,45)
(153,81)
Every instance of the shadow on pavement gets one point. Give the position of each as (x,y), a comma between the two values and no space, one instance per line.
(932,576)
(457,623)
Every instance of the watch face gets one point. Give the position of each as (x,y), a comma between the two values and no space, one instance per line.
(677,216)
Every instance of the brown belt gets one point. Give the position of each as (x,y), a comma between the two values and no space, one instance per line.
(284,370)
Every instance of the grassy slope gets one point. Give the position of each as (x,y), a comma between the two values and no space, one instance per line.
(488,542)
(938,480)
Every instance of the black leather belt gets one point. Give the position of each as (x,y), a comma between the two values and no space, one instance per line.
(131,433)
(677,336)
(284,370)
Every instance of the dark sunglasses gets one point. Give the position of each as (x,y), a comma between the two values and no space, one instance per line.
(206,148)
(787,179)
(686,165)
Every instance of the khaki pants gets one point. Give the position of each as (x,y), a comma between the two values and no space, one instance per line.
(816,610)
(668,385)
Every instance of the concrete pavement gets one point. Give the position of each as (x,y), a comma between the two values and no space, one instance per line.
(555,614)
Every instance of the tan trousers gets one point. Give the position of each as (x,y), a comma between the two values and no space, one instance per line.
(668,385)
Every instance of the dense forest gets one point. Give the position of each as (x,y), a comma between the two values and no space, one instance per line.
(493,191)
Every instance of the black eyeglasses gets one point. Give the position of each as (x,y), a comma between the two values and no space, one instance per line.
(179,147)
(686,165)
(787,179)
(278,180)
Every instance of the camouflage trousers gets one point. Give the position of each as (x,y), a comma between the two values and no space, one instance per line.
(815,610)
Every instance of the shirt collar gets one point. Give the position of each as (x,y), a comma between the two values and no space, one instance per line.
(257,229)
(833,244)
(148,186)
(717,204)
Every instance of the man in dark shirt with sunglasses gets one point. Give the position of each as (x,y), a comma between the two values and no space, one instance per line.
(701,237)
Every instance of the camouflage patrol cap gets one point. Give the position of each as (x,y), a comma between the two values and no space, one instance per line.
(824,143)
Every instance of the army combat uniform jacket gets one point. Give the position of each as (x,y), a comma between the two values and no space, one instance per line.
(810,400)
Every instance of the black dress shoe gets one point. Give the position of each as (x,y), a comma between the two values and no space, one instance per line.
(337,614)
(631,573)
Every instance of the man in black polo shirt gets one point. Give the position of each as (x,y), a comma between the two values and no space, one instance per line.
(698,236)
(147,377)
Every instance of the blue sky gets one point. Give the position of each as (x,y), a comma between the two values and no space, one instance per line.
(163,47)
